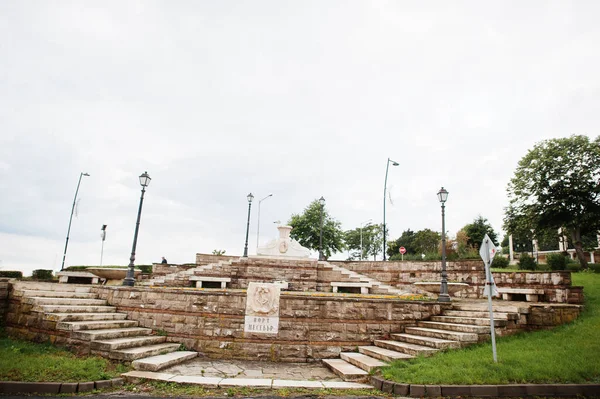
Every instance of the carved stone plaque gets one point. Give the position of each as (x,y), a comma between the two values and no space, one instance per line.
(262,308)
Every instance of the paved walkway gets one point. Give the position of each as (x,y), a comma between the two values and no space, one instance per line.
(229,373)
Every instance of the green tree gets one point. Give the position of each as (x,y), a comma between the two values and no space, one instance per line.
(372,241)
(427,241)
(307,225)
(406,240)
(557,185)
(476,230)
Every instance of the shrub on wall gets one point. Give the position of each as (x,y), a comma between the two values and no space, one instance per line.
(558,261)
(595,267)
(526,262)
(41,274)
(11,274)
(500,262)
(146,269)
(574,267)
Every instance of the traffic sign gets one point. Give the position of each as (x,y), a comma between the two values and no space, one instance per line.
(402,250)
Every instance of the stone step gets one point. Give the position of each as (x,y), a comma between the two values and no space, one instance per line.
(34,300)
(467,328)
(383,354)
(362,361)
(483,307)
(57,294)
(95,325)
(469,320)
(431,342)
(160,362)
(42,286)
(443,334)
(345,370)
(84,316)
(131,354)
(405,347)
(482,315)
(73,309)
(107,345)
(110,333)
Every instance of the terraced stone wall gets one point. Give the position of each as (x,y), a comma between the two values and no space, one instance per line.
(312,326)
(3,300)
(205,259)
(556,285)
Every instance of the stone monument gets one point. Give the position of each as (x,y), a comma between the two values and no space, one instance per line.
(262,308)
(284,246)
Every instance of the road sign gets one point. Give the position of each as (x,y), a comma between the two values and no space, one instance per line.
(402,250)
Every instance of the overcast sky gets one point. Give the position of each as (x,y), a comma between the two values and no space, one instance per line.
(301,99)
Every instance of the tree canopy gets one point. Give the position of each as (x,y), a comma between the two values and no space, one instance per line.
(557,185)
(424,241)
(476,230)
(372,241)
(307,225)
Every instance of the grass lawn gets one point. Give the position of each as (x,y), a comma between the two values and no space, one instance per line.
(27,361)
(567,354)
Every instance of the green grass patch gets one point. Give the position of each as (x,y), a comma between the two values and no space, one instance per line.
(566,354)
(33,362)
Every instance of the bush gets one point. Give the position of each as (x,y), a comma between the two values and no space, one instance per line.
(41,274)
(146,269)
(574,267)
(595,267)
(526,262)
(11,274)
(558,261)
(500,262)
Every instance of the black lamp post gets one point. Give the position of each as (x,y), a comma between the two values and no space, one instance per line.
(387,166)
(130,280)
(322,203)
(71,219)
(250,198)
(444,297)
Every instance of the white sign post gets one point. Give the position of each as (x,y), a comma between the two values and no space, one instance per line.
(487,252)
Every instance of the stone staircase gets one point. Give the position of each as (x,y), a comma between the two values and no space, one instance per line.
(376,287)
(184,275)
(95,327)
(463,325)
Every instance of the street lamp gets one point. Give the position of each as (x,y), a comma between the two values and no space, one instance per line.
(444,297)
(103,236)
(387,166)
(71,218)
(129,280)
(322,203)
(361,227)
(250,198)
(258,224)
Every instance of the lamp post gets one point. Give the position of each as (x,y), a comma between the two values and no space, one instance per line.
(71,219)
(444,297)
(103,236)
(322,203)
(250,197)
(130,280)
(387,166)
(361,227)
(258,224)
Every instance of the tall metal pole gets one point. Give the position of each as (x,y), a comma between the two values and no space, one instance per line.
(129,280)
(444,297)
(322,203)
(250,197)
(258,224)
(71,219)
(387,166)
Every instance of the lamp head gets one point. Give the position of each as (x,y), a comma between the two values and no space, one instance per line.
(85,174)
(145,179)
(250,197)
(322,201)
(442,195)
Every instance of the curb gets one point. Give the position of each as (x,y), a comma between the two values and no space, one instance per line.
(57,387)
(510,390)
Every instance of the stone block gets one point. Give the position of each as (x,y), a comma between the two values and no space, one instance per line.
(401,389)
(68,387)
(417,391)
(85,386)
(590,390)
(387,386)
(117,382)
(433,391)
(484,390)
(102,384)
(456,390)
(540,389)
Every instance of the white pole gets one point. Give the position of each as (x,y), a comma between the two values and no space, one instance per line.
(488,272)
(258,226)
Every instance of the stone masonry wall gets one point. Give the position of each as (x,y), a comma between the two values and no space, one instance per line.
(3,300)
(205,259)
(556,285)
(312,326)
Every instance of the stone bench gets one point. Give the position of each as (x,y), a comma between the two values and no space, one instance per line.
(531,294)
(364,287)
(209,279)
(77,277)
